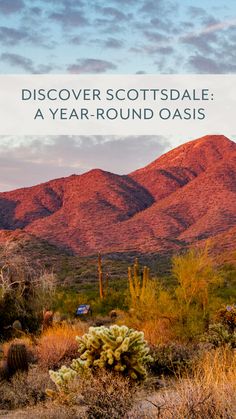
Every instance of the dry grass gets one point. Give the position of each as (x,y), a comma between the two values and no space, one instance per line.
(157,331)
(209,393)
(57,344)
(24,389)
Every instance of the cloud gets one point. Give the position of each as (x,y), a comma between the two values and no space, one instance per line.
(29,161)
(65,3)
(136,34)
(25,63)
(204,42)
(216,26)
(35,11)
(163,24)
(205,65)
(10,36)
(8,7)
(114,13)
(124,2)
(151,6)
(155,36)
(108,26)
(91,65)
(212,27)
(76,40)
(69,18)
(113,43)
(212,47)
(152,49)
(18,61)
(196,12)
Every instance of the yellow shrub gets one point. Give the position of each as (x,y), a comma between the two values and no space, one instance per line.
(58,343)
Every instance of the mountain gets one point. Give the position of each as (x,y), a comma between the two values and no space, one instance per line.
(186,195)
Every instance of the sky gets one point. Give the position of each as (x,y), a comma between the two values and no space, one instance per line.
(111,37)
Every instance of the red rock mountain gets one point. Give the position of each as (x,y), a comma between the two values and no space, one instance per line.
(186,195)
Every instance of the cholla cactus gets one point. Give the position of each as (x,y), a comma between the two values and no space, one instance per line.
(66,374)
(115,348)
(62,376)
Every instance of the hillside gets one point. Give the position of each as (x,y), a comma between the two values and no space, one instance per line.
(186,195)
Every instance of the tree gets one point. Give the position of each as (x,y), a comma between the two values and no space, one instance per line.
(195,273)
(25,290)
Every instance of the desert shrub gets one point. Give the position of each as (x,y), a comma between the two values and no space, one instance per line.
(24,389)
(113,299)
(57,345)
(219,335)
(142,292)
(172,358)
(116,348)
(197,276)
(24,291)
(66,301)
(107,396)
(227,316)
(103,394)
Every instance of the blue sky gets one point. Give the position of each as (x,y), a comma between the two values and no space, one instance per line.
(118,37)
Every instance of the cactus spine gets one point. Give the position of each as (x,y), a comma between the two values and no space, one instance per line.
(17,358)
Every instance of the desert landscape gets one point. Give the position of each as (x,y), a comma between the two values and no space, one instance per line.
(118,292)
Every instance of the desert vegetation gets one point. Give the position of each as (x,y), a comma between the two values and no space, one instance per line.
(154,344)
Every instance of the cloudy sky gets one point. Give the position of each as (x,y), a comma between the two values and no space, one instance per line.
(97,36)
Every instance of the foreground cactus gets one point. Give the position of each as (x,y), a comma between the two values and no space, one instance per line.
(17,358)
(115,348)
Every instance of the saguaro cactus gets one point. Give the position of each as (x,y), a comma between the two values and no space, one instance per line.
(100,276)
(138,283)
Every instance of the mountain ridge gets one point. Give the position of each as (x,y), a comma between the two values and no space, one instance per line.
(186,195)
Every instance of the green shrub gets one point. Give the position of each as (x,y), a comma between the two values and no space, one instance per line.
(170,359)
(227,316)
(219,335)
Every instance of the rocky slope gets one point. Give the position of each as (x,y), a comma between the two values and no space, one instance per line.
(186,195)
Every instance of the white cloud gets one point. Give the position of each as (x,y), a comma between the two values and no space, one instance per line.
(27,161)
